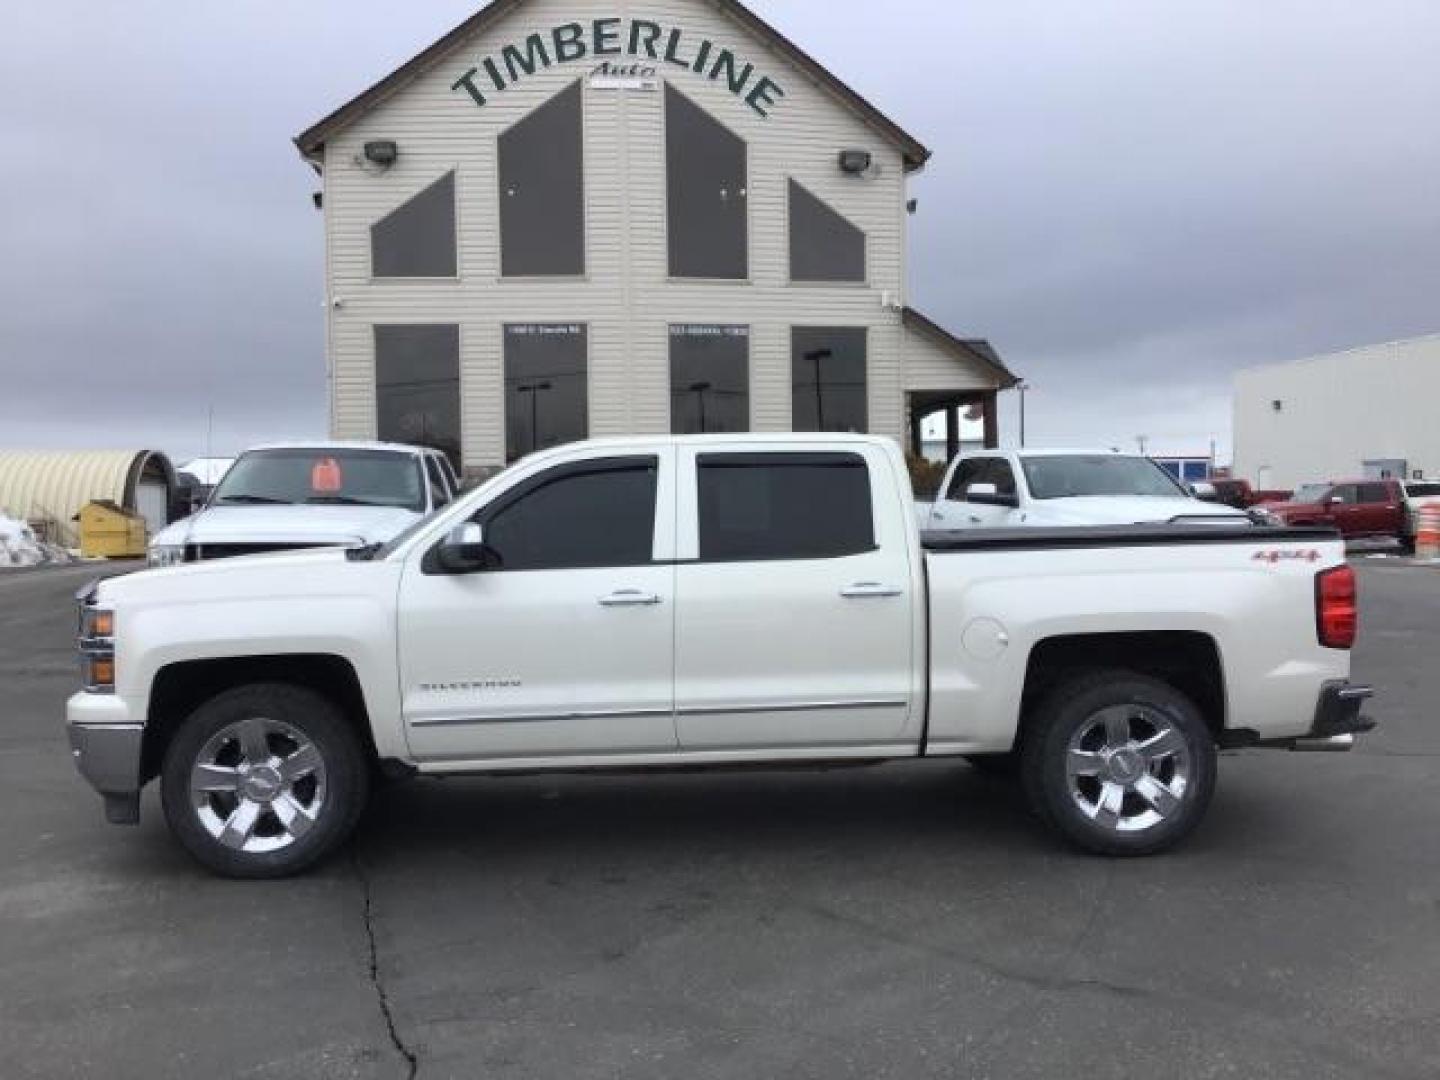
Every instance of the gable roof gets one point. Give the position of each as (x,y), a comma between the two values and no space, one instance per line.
(312,140)
(975,350)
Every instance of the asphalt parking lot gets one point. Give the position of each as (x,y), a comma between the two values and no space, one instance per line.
(908,921)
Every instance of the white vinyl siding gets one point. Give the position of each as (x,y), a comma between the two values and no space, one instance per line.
(626,296)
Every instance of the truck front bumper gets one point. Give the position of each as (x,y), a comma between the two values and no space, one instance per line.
(106,743)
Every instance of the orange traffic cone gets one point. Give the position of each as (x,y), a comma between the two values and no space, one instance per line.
(1427,532)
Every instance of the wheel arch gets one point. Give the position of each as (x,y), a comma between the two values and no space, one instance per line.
(182,687)
(1188,660)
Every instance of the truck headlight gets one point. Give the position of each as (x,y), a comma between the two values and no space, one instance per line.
(166,554)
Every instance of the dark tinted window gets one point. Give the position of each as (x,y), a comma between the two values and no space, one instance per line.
(823,245)
(417,386)
(542,191)
(1374,493)
(1346,493)
(784,506)
(706,176)
(709,379)
(995,471)
(966,473)
(601,514)
(828,385)
(418,239)
(546,386)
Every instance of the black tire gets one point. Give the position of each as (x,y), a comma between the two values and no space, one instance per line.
(998,766)
(343,769)
(1071,714)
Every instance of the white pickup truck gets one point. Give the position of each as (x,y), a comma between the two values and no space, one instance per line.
(709,601)
(1041,488)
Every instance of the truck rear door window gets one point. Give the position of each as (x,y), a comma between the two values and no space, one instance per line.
(784,506)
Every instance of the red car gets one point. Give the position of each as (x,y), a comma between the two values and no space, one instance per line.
(1355,507)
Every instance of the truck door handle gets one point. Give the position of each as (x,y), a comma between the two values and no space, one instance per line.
(629,598)
(867,590)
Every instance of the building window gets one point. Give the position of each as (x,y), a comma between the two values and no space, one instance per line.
(784,506)
(417,386)
(824,246)
(706,170)
(542,191)
(709,379)
(418,238)
(828,379)
(546,386)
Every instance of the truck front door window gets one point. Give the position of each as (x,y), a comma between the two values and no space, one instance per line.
(597,515)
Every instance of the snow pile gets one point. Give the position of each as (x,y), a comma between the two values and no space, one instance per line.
(18,546)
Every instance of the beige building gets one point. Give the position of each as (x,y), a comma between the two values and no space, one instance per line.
(1368,412)
(571,218)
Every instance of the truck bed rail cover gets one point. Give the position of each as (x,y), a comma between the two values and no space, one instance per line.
(1140,535)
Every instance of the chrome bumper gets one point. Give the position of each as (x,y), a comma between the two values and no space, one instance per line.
(106,747)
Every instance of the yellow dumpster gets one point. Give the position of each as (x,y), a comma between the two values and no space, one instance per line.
(108,531)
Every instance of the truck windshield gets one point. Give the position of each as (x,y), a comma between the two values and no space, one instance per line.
(1066,476)
(323,476)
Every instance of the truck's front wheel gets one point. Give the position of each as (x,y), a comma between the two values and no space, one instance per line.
(1119,763)
(263,781)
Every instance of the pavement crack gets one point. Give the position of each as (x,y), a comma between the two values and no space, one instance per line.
(382,996)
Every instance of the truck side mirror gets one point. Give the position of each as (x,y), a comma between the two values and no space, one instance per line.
(463,551)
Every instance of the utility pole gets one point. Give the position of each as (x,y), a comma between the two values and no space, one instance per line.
(700,389)
(1144,442)
(816,356)
(534,389)
(1024,388)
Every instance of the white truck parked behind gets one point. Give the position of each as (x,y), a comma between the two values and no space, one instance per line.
(709,601)
(307,495)
(1041,488)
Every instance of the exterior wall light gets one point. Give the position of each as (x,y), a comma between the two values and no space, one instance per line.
(855,162)
(382,152)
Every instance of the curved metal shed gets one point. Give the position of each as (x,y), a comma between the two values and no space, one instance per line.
(50,487)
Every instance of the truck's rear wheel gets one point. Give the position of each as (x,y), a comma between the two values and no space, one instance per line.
(263,781)
(1119,763)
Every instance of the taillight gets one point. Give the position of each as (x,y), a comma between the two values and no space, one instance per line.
(1336,610)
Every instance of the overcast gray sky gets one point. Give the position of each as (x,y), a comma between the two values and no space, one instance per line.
(1130,199)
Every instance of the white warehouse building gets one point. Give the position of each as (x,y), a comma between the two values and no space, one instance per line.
(579,217)
(1367,412)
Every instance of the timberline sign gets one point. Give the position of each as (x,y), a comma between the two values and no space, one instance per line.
(601,39)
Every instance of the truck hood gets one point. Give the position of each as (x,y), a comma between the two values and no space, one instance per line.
(287,574)
(299,525)
(1123,510)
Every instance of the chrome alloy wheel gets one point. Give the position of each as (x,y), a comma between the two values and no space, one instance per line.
(258,785)
(1128,768)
